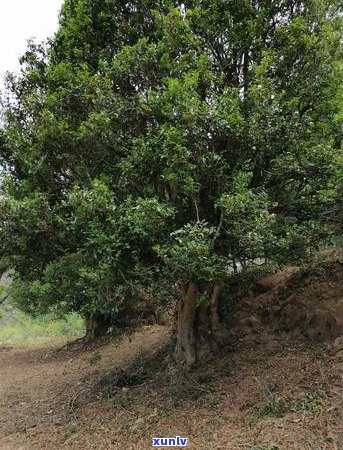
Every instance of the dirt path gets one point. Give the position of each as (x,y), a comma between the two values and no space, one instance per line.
(39,388)
(268,395)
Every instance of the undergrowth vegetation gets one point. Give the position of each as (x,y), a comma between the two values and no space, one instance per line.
(16,327)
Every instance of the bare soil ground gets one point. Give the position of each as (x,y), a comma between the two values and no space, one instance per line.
(278,389)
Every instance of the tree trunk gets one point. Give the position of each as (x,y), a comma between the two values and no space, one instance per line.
(199,330)
(185,352)
(97,325)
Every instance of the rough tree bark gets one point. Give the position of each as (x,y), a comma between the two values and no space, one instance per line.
(199,330)
(97,325)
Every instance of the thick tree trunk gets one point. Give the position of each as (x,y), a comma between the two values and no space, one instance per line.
(97,325)
(199,330)
(185,346)
(218,332)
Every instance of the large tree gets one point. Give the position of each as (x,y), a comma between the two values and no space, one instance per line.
(158,144)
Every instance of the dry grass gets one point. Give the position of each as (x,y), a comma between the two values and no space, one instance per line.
(274,395)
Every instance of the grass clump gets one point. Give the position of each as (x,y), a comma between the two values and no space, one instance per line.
(70,428)
(180,387)
(94,358)
(275,407)
(308,403)
(274,403)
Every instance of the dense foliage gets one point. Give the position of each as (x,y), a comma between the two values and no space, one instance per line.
(154,143)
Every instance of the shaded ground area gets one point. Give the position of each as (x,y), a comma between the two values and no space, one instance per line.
(275,393)
(276,390)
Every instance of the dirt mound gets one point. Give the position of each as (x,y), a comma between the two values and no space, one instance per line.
(307,303)
(315,307)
